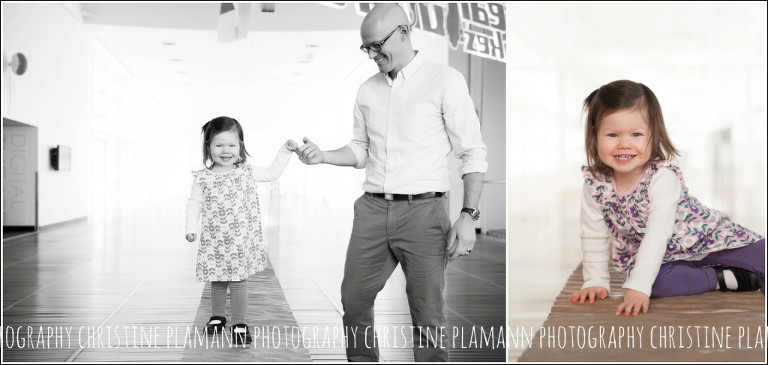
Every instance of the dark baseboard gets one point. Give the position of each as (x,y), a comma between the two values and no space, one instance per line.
(64,223)
(11,233)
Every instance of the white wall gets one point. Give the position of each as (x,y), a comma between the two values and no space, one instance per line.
(487,85)
(55,96)
(127,149)
(140,150)
(704,61)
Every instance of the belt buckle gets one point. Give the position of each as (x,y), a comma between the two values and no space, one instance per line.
(388,196)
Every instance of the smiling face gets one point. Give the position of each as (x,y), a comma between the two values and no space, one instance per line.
(387,59)
(225,150)
(623,145)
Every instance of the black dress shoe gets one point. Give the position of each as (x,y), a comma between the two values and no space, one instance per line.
(215,325)
(241,335)
(747,280)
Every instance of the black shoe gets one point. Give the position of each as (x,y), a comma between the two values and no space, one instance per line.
(240,334)
(215,325)
(747,280)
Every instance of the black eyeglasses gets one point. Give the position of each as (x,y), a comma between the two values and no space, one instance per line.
(376,46)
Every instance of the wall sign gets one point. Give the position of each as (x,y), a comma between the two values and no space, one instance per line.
(476,28)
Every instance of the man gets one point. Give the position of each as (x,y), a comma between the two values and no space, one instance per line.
(407,118)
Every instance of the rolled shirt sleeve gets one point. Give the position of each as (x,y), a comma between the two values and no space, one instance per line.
(463,125)
(359,144)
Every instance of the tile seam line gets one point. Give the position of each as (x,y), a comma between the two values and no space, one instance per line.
(80,346)
(476,277)
(5,309)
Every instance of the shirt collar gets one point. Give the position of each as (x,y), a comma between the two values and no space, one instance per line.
(410,69)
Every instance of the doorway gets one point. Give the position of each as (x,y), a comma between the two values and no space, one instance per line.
(19,178)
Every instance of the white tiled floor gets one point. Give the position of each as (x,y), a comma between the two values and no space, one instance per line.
(134,268)
(544,248)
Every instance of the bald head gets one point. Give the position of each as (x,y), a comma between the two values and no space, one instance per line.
(387,23)
(386,16)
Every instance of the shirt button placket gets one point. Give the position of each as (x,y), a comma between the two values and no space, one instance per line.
(391,109)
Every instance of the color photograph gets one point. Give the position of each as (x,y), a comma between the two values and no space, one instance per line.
(636,181)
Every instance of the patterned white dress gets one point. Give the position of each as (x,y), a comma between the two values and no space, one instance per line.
(231,242)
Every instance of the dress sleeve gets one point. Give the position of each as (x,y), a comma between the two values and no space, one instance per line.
(194,207)
(664,195)
(595,243)
(274,170)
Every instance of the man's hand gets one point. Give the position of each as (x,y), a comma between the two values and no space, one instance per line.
(462,238)
(633,301)
(191,237)
(593,292)
(309,153)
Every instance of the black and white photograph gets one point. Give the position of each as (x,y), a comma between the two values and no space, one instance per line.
(254,182)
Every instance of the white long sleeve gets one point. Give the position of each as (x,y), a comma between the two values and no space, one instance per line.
(194,207)
(275,169)
(595,243)
(664,194)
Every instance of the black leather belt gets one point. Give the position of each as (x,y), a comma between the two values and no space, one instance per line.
(406,196)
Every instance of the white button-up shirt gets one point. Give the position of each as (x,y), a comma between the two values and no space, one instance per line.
(404,129)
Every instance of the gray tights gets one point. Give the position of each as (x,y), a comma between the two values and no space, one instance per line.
(238,299)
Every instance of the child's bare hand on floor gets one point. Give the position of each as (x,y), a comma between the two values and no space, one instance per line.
(633,302)
(589,293)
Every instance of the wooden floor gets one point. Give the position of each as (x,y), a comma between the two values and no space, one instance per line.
(121,287)
(543,259)
(711,327)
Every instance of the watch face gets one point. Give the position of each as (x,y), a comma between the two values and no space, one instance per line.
(474,213)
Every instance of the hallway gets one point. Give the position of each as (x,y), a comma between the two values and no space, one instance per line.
(130,275)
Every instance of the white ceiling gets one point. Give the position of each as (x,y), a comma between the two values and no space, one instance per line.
(591,32)
(286,61)
(296,55)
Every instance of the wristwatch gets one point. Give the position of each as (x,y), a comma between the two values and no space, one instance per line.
(474,213)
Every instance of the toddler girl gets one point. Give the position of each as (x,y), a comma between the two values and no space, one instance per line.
(231,247)
(637,214)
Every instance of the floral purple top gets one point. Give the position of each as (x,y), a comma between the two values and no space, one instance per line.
(698,230)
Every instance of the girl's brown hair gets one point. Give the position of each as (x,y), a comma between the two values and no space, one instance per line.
(618,95)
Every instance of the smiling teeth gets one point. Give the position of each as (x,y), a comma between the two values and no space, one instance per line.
(624,157)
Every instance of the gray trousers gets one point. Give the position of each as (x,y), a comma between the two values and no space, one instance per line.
(385,233)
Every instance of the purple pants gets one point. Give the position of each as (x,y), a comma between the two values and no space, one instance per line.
(679,278)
